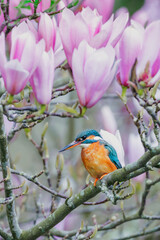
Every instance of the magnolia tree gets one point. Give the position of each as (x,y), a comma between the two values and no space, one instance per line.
(49,49)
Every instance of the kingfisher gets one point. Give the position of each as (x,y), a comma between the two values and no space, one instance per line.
(98,156)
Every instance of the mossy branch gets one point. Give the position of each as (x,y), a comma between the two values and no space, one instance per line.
(75,201)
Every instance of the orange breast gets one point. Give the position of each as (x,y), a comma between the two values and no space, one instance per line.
(96,160)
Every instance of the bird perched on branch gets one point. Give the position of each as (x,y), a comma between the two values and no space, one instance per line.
(98,155)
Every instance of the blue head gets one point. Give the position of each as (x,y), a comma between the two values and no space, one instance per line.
(84,138)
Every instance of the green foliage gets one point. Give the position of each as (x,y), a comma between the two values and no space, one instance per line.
(73,3)
(52,2)
(132,5)
(23,4)
(36,2)
(52,6)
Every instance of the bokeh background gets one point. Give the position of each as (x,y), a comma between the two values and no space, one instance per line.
(108,114)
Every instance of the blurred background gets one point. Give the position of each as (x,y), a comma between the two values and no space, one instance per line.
(109,114)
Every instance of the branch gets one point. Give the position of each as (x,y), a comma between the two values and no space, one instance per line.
(148,185)
(58,215)
(40,185)
(107,226)
(30,17)
(155,229)
(4,157)
(70,204)
(5,235)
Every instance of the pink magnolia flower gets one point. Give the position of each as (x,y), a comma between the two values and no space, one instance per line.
(24,58)
(47,29)
(143,45)
(93,71)
(141,17)
(121,11)
(42,78)
(129,48)
(104,7)
(87,25)
(148,67)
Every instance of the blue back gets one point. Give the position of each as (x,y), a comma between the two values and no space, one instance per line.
(112,153)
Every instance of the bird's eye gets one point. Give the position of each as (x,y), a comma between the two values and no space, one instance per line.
(81,139)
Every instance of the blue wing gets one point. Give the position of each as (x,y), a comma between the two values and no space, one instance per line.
(112,153)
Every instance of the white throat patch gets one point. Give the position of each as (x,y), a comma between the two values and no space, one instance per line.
(84,145)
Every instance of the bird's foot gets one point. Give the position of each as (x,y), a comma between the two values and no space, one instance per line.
(103,176)
(99,179)
(96,181)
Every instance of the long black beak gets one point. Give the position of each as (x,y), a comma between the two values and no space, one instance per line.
(71,145)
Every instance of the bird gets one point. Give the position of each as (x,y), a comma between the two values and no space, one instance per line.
(98,156)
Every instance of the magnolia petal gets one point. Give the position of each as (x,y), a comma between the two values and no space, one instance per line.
(32,26)
(64,27)
(119,25)
(98,65)
(15,77)
(58,50)
(104,7)
(104,85)
(3,58)
(78,62)
(43,77)
(72,30)
(24,50)
(151,46)
(102,38)
(91,69)
(95,71)
(92,19)
(112,73)
(47,30)
(129,48)
(19,30)
(77,35)
(155,66)
(59,57)
(155,79)
(39,49)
